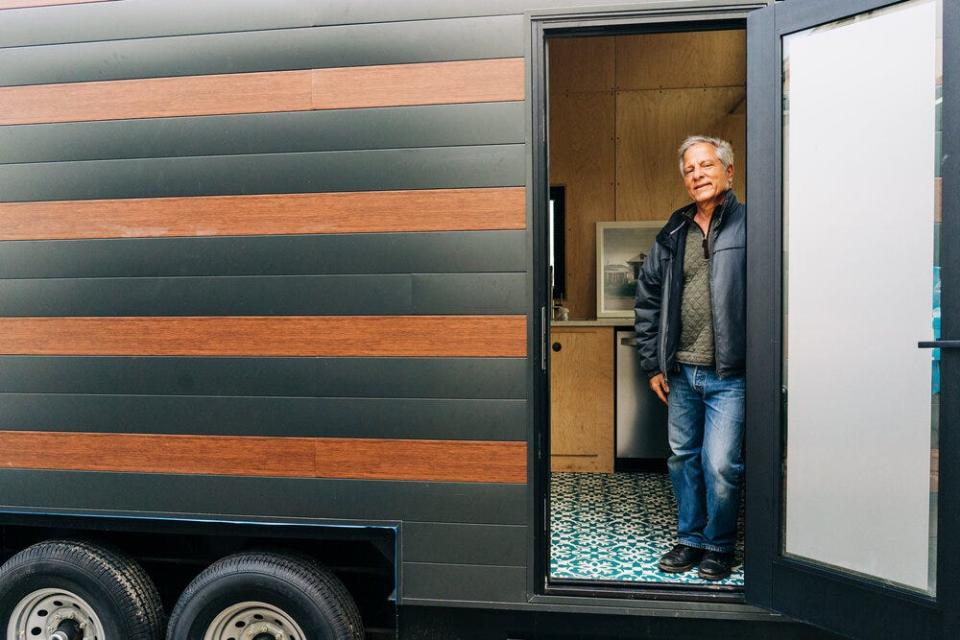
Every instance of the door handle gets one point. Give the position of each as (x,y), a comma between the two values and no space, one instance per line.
(939,344)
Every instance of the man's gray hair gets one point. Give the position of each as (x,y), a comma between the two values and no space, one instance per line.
(724,149)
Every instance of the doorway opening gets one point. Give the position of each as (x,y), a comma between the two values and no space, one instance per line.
(619,105)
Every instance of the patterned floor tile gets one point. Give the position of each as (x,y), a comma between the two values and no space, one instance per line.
(616,526)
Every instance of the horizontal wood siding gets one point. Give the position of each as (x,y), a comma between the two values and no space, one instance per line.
(270,260)
(325,254)
(428,460)
(414,378)
(273,50)
(448,125)
(425,83)
(156,97)
(495,165)
(300,90)
(357,336)
(107,21)
(347,212)
(322,295)
(238,496)
(358,458)
(24,4)
(410,418)
(126,20)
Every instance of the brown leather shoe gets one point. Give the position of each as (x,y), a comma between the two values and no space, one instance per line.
(716,565)
(679,559)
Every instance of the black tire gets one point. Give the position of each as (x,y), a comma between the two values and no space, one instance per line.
(308,593)
(115,587)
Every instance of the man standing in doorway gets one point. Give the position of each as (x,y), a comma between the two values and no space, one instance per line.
(690,315)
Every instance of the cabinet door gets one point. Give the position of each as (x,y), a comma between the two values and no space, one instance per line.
(581,399)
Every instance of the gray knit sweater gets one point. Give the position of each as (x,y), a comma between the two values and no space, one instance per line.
(696,314)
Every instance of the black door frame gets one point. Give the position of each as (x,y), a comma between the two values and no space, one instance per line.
(588,21)
(855,607)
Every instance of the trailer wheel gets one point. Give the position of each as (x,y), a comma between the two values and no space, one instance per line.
(71,590)
(265,596)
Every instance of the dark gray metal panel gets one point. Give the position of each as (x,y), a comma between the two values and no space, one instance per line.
(464,582)
(320,47)
(763,305)
(278,497)
(538,195)
(203,296)
(803,15)
(452,419)
(596,617)
(465,544)
(356,11)
(948,509)
(471,293)
(150,18)
(365,253)
(303,377)
(144,18)
(487,166)
(283,132)
(479,293)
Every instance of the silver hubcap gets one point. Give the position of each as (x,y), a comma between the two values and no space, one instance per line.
(40,614)
(254,621)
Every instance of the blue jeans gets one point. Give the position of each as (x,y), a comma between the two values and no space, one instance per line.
(705,429)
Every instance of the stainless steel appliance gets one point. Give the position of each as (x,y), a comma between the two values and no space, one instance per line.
(641,430)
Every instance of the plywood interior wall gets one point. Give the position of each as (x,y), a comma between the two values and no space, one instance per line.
(619,108)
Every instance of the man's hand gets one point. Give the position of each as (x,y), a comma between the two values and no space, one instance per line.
(660,387)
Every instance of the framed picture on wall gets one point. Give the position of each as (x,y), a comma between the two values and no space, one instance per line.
(622,248)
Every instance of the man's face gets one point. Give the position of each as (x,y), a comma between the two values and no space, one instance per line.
(703,174)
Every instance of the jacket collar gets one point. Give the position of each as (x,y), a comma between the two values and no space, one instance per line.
(679,219)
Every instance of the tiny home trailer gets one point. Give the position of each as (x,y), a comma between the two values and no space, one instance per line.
(306,331)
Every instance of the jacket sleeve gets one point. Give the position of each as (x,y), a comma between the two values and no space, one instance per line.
(646,312)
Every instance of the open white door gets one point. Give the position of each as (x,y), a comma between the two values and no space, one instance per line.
(853,250)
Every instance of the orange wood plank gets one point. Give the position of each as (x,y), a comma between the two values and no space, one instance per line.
(373,336)
(360,458)
(243,456)
(350,212)
(420,83)
(439,460)
(341,88)
(156,97)
(23,4)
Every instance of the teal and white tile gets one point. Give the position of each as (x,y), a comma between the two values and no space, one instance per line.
(615,527)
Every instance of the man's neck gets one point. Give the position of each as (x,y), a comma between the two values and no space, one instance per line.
(705,211)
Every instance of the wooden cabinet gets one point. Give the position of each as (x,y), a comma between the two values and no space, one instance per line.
(581,399)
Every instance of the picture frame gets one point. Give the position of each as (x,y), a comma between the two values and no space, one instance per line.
(621,249)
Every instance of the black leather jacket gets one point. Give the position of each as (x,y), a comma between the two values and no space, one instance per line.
(660,287)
